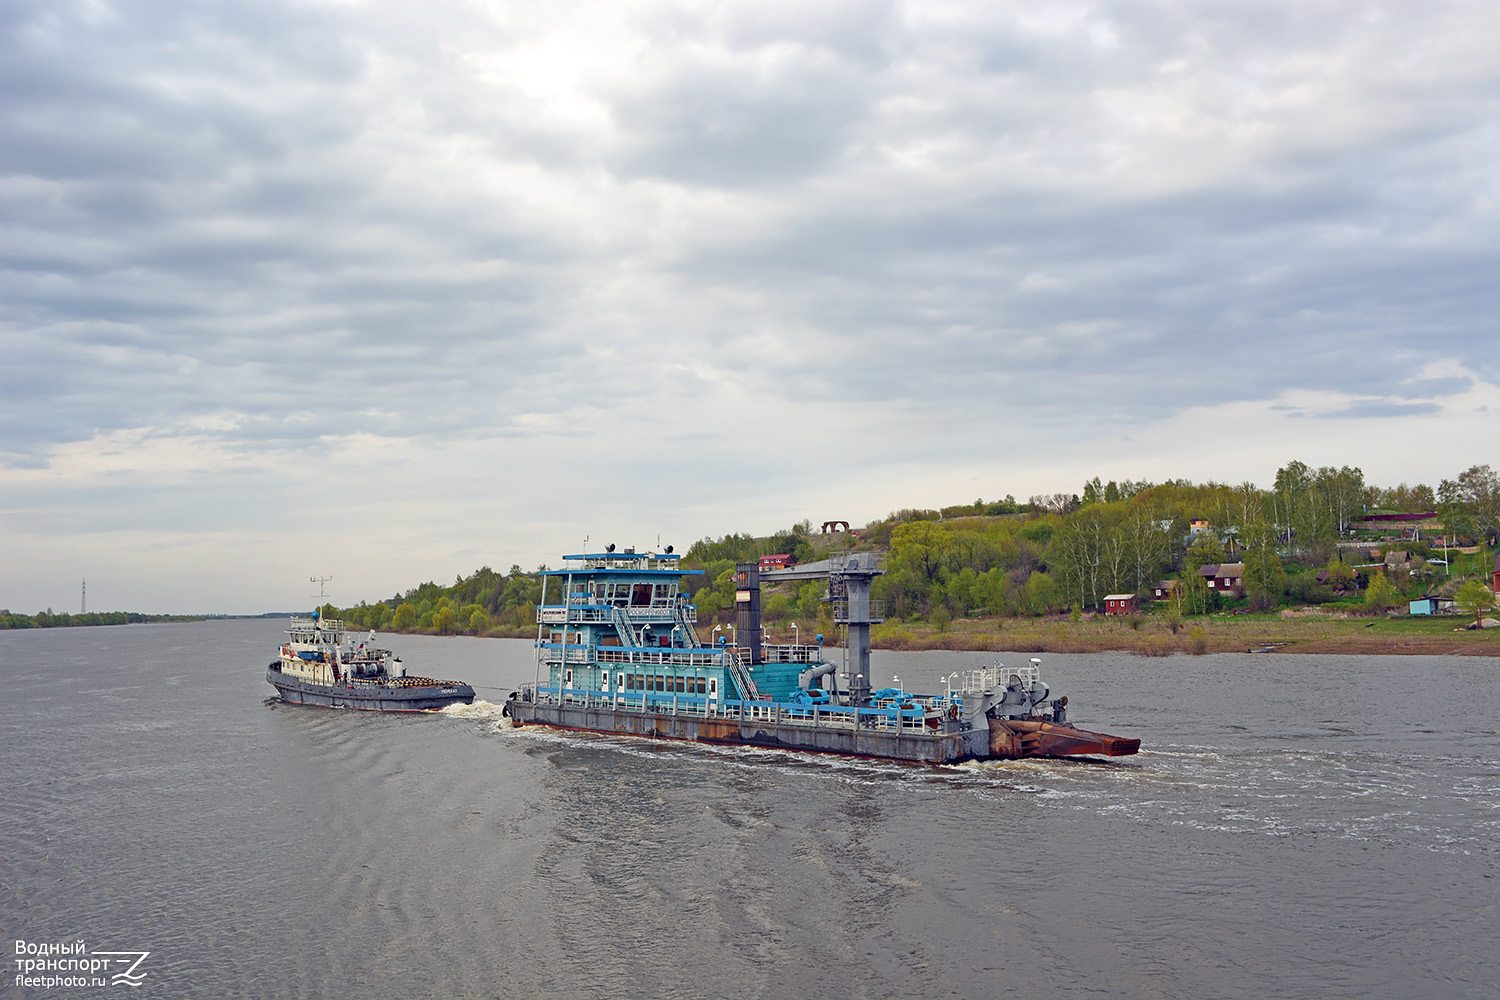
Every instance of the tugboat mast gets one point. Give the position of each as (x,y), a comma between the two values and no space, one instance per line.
(322,596)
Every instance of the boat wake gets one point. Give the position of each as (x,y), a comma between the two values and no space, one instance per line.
(480,711)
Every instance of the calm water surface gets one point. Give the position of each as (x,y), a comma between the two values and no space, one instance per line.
(1296,826)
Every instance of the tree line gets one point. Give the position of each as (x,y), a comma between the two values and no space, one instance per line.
(49,619)
(1296,541)
(483,603)
(1051,554)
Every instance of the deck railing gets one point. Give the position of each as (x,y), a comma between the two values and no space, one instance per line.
(557,614)
(917,719)
(552,653)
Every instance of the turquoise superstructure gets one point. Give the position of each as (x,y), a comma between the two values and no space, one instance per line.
(617,625)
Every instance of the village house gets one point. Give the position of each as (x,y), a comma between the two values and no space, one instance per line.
(1225,578)
(1398,563)
(1121,604)
(779,561)
(1165,590)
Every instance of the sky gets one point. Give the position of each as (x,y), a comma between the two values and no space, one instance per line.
(387,292)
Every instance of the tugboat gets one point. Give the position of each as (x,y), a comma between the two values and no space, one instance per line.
(321,664)
(618,653)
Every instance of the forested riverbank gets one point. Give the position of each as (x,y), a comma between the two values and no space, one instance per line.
(1320,557)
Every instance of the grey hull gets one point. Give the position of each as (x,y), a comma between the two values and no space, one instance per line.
(369,697)
(948,745)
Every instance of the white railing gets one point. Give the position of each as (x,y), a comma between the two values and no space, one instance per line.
(658,614)
(791,653)
(555,653)
(898,720)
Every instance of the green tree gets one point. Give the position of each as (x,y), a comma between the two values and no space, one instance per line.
(1343,491)
(405,617)
(1474,598)
(1470,504)
(1265,579)
(1381,593)
(1339,574)
(1300,501)
(1148,545)
(1041,594)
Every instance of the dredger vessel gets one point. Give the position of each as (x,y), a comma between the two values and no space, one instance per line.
(617,651)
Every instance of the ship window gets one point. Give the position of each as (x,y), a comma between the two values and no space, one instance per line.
(702,686)
(681,685)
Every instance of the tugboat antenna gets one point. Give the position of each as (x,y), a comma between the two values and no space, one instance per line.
(322,598)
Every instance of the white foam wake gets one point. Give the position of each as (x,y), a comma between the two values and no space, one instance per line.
(479,711)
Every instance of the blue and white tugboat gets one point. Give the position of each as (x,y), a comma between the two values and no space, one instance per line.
(618,652)
(323,663)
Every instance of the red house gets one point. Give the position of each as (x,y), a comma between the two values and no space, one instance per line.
(1121,604)
(780,561)
(1495,575)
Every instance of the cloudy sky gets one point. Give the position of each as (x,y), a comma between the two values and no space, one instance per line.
(390,291)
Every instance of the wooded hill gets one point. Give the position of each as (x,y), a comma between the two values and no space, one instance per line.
(1302,541)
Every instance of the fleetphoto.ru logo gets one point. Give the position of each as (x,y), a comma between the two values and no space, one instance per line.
(50,964)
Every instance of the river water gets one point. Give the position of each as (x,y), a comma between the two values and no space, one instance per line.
(1295,826)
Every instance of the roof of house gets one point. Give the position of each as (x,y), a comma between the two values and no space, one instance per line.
(1118,597)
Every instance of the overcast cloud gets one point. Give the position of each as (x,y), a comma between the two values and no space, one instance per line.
(391,291)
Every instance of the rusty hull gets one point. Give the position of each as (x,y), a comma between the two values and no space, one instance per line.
(1002,739)
(1016,738)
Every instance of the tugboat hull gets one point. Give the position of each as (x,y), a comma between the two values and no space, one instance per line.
(411,694)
